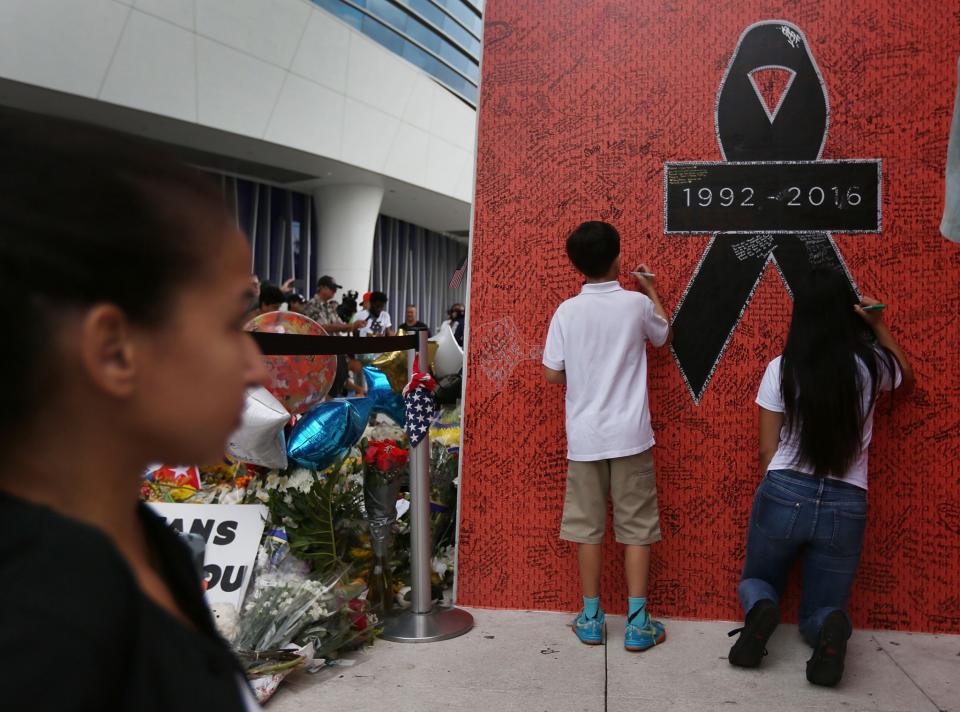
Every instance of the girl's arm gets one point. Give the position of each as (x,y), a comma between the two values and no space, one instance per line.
(770,424)
(885,339)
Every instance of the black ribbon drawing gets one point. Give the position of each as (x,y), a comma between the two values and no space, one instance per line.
(732,265)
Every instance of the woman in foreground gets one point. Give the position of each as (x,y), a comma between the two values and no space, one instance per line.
(124,292)
(816,421)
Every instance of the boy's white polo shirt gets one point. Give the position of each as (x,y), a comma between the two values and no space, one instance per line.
(599,339)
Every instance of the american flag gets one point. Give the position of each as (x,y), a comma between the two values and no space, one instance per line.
(457,277)
(420,405)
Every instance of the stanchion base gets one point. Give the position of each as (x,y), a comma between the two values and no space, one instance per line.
(438,624)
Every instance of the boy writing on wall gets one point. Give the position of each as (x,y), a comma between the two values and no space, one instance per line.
(596,346)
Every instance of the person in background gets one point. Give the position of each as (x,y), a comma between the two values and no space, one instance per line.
(816,422)
(323,308)
(116,369)
(597,347)
(377,322)
(255,291)
(348,307)
(364,311)
(412,323)
(296,302)
(271,298)
(289,286)
(456,318)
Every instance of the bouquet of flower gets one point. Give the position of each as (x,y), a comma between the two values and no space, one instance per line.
(385,462)
(279,606)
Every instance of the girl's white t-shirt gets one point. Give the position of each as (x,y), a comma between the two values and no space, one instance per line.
(770,396)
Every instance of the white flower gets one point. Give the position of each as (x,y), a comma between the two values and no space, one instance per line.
(301,479)
(232,496)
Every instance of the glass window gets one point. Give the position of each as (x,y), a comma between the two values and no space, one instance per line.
(393,15)
(383,20)
(348,14)
(464,13)
(443,22)
(384,35)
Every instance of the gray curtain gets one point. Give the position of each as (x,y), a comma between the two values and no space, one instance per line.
(279,224)
(411,264)
(414,266)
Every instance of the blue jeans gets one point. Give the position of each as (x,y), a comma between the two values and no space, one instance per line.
(820,520)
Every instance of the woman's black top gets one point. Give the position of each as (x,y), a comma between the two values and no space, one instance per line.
(77,632)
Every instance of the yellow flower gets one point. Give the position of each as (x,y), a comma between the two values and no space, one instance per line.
(180,494)
(360,553)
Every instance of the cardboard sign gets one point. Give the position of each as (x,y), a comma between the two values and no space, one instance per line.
(232,533)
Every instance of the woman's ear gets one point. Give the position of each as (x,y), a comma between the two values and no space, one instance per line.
(106,349)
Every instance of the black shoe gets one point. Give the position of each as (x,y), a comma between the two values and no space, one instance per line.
(825,667)
(751,646)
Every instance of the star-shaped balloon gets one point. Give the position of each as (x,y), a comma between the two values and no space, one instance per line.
(325,433)
(394,364)
(382,397)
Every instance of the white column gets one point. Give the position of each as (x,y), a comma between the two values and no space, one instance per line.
(346,221)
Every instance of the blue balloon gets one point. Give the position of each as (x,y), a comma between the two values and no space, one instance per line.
(364,407)
(382,397)
(325,433)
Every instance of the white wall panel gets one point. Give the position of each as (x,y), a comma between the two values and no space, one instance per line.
(309,117)
(179,12)
(237,91)
(60,45)
(154,68)
(375,77)
(268,29)
(368,135)
(408,156)
(324,52)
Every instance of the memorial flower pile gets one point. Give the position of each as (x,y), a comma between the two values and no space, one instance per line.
(315,590)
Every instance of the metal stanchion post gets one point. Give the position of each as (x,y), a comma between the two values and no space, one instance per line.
(423,623)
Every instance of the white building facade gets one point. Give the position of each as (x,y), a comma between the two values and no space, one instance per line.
(361,108)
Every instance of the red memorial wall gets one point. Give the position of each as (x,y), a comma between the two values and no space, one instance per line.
(582,105)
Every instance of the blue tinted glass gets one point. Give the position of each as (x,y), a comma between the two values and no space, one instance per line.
(443,22)
(413,27)
(426,10)
(463,13)
(460,61)
(425,36)
(393,15)
(350,15)
(466,40)
(384,35)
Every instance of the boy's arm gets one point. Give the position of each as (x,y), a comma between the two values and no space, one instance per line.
(554,364)
(552,376)
(648,285)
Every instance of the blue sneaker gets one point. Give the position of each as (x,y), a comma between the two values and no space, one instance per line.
(589,630)
(638,638)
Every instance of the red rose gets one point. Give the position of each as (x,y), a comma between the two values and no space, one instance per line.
(385,455)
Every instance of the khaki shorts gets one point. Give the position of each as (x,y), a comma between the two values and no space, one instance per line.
(631,482)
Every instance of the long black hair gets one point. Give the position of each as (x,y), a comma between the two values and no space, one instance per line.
(822,372)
